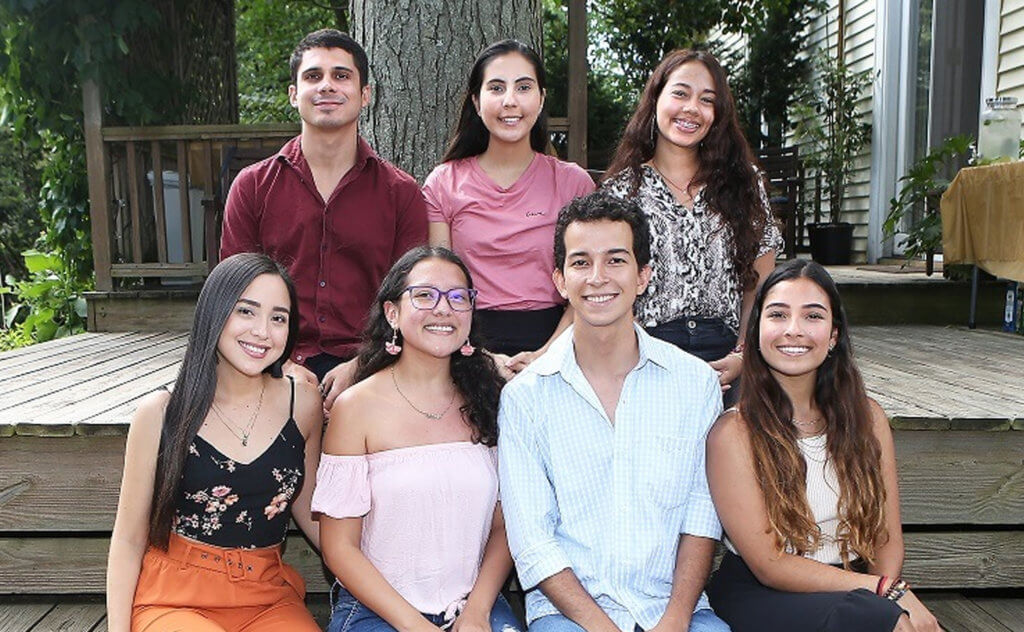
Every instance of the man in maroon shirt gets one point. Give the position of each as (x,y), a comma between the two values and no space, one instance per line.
(327,207)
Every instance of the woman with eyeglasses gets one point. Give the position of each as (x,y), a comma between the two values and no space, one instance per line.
(407,488)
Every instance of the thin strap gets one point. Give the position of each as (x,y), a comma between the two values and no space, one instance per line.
(291,402)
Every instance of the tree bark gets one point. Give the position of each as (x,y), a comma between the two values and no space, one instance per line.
(420,54)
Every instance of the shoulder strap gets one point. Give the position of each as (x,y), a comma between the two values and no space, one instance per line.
(291,402)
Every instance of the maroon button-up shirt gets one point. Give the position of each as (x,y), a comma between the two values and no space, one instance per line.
(336,252)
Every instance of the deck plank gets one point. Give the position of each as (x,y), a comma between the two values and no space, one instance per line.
(72,617)
(21,617)
(1009,612)
(957,613)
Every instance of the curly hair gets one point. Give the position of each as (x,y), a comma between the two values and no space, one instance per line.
(476,376)
(852,445)
(732,183)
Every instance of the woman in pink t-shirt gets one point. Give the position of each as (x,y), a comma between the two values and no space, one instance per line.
(495,197)
(407,486)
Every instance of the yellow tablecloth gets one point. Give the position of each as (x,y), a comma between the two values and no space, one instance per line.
(983,219)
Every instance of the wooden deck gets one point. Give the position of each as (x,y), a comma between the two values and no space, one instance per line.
(956,612)
(65,408)
(88,384)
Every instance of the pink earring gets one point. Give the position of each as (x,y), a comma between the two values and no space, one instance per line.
(392,347)
(467,349)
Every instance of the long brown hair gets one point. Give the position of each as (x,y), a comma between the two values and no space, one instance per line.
(851,442)
(732,185)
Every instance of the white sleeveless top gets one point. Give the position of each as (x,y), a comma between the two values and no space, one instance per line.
(822,496)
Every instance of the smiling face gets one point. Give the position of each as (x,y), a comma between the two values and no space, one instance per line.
(440,331)
(685,109)
(796,329)
(256,332)
(601,277)
(510,99)
(327,93)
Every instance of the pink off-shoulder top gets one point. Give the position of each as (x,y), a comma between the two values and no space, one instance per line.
(426,513)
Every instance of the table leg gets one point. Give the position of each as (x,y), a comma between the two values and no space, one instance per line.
(971,320)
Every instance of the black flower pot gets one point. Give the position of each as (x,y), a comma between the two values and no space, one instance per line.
(831,244)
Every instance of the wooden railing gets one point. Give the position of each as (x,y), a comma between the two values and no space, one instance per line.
(148,233)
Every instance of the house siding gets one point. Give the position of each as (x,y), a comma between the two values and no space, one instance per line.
(1010,73)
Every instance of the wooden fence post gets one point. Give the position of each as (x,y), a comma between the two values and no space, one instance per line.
(578,82)
(99,203)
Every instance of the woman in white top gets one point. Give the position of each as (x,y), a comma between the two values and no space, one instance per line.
(408,487)
(803,475)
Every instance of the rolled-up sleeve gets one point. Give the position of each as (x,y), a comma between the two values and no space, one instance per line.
(527,497)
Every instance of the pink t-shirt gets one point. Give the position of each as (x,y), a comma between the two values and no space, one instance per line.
(426,514)
(506,236)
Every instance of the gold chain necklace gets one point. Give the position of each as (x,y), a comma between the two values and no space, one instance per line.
(232,426)
(684,190)
(428,415)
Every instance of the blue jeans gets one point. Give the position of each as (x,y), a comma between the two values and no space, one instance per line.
(704,620)
(709,339)
(348,615)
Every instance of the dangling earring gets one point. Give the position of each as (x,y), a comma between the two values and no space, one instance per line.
(654,128)
(831,347)
(392,347)
(467,349)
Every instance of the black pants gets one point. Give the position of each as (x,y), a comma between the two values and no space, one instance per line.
(321,363)
(512,331)
(747,605)
(707,338)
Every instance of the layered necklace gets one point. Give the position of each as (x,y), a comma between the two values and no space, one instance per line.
(427,414)
(241,433)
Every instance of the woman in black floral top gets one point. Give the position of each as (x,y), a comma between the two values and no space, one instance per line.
(684,159)
(215,470)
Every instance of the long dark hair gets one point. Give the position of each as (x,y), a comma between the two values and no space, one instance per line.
(196,383)
(732,185)
(852,446)
(476,377)
(470,136)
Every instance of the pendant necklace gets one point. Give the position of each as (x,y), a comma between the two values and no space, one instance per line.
(428,415)
(242,434)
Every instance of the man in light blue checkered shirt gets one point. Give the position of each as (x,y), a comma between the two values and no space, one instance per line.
(601,452)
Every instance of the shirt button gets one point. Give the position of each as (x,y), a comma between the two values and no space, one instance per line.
(691,324)
(299,357)
(323,284)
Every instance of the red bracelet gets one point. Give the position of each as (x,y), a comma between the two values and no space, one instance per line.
(881,582)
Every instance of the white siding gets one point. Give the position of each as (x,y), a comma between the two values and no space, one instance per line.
(1010,73)
(859,52)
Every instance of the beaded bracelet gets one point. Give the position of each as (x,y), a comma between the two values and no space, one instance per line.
(897,590)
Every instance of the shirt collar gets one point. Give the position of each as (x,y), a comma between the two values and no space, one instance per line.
(292,153)
(561,357)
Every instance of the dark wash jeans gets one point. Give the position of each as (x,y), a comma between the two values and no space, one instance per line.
(707,338)
(349,615)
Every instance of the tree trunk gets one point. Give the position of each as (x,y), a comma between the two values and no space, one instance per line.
(420,55)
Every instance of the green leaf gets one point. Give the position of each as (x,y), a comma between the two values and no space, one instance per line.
(81,307)
(37,261)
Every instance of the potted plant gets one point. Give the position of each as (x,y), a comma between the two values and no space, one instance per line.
(834,133)
(918,199)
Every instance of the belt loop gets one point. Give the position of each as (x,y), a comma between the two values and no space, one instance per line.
(183,562)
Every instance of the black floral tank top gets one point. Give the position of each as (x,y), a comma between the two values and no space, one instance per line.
(241,505)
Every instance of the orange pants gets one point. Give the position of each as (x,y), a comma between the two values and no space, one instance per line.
(195,587)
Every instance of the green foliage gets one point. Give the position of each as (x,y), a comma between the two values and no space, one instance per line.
(831,126)
(49,304)
(921,189)
(774,72)
(47,47)
(266,31)
(20,224)
(607,106)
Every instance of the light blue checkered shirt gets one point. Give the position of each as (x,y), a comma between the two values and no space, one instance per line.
(608,501)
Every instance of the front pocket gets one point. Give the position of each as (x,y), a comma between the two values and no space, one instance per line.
(667,482)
